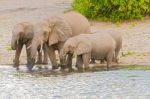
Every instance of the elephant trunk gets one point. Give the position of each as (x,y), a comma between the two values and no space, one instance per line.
(34,46)
(14,43)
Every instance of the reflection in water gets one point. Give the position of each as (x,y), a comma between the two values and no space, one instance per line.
(116,84)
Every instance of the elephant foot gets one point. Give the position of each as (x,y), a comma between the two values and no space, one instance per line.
(17,68)
(80,69)
(107,68)
(115,60)
(30,64)
(102,61)
(39,62)
(63,67)
(45,62)
(16,64)
(71,69)
(55,67)
(29,68)
(87,69)
(45,67)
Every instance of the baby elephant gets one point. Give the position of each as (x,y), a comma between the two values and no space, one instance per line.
(22,34)
(86,46)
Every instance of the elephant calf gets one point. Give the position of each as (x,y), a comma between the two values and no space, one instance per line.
(22,34)
(96,46)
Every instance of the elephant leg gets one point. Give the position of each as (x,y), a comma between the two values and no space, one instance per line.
(28,56)
(116,56)
(69,61)
(45,60)
(109,59)
(92,61)
(52,56)
(79,62)
(102,61)
(63,61)
(39,59)
(86,58)
(17,55)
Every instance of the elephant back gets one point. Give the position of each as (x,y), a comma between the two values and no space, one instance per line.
(78,23)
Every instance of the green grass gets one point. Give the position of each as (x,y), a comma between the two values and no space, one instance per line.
(129,53)
(8,47)
(135,67)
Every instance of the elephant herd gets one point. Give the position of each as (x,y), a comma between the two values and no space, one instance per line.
(69,34)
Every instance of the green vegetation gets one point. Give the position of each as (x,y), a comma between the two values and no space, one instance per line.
(135,67)
(113,10)
(129,53)
(8,48)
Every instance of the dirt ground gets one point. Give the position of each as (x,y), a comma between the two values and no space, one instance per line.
(136,34)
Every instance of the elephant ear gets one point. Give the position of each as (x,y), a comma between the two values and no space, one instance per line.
(82,48)
(61,30)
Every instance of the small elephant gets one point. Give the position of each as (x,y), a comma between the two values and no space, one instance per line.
(97,46)
(54,31)
(118,39)
(22,34)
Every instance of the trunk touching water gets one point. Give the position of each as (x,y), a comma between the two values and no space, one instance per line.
(34,47)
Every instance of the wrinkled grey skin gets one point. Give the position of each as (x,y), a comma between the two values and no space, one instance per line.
(22,34)
(97,46)
(118,39)
(54,31)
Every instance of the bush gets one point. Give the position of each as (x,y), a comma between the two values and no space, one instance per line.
(114,10)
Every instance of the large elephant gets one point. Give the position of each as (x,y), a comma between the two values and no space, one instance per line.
(54,31)
(86,46)
(22,34)
(118,39)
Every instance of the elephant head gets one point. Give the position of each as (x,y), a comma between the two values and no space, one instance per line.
(16,35)
(21,32)
(50,31)
(77,45)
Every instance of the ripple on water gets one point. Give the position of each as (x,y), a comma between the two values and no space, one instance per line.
(91,85)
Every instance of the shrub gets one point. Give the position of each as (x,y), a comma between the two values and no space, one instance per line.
(114,10)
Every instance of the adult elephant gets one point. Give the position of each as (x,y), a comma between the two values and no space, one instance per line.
(118,39)
(22,34)
(54,31)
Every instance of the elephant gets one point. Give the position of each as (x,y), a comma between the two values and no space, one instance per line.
(54,31)
(97,46)
(118,39)
(22,34)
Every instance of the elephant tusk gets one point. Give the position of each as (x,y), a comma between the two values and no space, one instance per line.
(29,47)
(17,42)
(41,47)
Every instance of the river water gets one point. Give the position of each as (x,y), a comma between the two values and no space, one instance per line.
(115,84)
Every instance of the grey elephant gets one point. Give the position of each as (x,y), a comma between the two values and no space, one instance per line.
(97,46)
(54,31)
(22,34)
(118,39)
